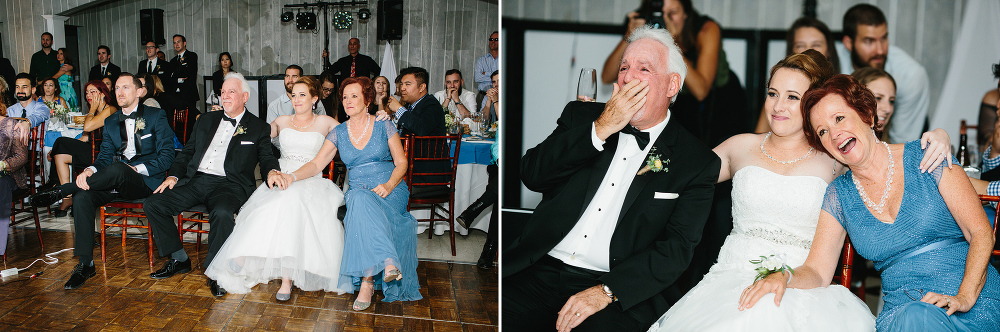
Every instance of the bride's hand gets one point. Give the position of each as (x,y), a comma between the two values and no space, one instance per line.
(774,283)
(937,149)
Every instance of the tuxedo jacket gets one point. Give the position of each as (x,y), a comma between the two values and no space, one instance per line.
(112,72)
(245,151)
(660,223)
(187,69)
(154,146)
(162,70)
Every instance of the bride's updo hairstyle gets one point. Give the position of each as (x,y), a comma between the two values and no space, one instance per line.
(367,89)
(810,62)
(311,83)
(858,98)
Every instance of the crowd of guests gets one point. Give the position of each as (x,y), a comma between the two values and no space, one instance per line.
(835,156)
(130,150)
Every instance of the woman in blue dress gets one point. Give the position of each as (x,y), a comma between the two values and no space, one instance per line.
(380,244)
(65,77)
(926,232)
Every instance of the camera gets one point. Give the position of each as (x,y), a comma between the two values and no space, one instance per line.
(652,12)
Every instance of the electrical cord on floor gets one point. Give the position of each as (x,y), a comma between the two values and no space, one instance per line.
(48,260)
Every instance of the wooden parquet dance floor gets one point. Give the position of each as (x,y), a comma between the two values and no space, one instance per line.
(122,297)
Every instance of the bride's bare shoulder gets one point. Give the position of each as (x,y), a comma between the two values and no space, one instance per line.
(739,143)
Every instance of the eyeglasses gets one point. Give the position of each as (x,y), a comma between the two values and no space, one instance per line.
(494,39)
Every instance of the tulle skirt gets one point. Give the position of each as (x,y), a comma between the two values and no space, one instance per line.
(290,233)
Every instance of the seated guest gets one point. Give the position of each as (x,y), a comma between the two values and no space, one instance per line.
(455,98)
(109,84)
(881,84)
(491,102)
(988,113)
(31,111)
(13,156)
(423,117)
(283,105)
(152,88)
(381,93)
(330,100)
(68,151)
(991,156)
(927,234)
(104,67)
(136,150)
(212,172)
(50,93)
(225,67)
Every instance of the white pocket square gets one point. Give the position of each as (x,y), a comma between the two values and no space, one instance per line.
(659,195)
(145,136)
(246,142)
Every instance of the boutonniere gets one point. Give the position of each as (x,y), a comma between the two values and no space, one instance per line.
(240,130)
(140,124)
(767,265)
(654,163)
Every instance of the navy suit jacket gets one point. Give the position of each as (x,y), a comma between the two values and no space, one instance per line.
(156,146)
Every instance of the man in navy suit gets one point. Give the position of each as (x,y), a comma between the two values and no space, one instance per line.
(137,150)
(423,117)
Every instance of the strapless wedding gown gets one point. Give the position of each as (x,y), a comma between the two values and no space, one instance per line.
(772,214)
(293,232)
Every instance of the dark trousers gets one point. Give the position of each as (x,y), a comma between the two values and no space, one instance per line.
(120,177)
(222,197)
(532,299)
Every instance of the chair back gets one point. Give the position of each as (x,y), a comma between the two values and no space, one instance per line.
(96,137)
(179,123)
(996,217)
(36,165)
(430,149)
(847,269)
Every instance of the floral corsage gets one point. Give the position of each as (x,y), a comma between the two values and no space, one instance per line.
(140,124)
(240,130)
(767,265)
(654,163)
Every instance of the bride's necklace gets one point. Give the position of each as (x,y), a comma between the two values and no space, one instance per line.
(880,207)
(363,133)
(307,126)
(783,162)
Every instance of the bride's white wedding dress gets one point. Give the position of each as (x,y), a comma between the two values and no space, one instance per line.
(772,214)
(293,232)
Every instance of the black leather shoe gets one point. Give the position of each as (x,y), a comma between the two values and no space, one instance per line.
(471,212)
(486,257)
(61,213)
(214,287)
(80,274)
(172,267)
(45,198)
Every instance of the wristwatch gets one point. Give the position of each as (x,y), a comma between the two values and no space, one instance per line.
(609,293)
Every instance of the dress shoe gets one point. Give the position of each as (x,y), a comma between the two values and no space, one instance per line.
(216,290)
(80,274)
(471,212)
(61,212)
(486,257)
(361,306)
(172,267)
(282,296)
(46,198)
(392,275)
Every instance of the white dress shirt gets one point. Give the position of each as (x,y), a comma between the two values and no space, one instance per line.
(151,65)
(467,97)
(214,161)
(130,151)
(588,244)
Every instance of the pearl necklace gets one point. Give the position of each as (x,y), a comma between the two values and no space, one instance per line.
(762,150)
(358,141)
(307,126)
(880,208)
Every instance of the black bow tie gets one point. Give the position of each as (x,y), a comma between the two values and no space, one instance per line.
(640,137)
(231,120)
(134,115)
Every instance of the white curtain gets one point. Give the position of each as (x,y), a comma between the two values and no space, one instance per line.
(389,67)
(970,73)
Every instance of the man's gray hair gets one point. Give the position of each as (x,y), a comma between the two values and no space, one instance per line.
(675,61)
(243,81)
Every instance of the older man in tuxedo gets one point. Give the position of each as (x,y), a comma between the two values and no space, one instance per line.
(137,149)
(215,169)
(606,244)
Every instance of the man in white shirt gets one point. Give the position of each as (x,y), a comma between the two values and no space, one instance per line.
(137,149)
(626,191)
(283,105)
(455,98)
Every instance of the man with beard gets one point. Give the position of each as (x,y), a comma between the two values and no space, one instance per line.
(866,38)
(43,62)
(26,107)
(283,105)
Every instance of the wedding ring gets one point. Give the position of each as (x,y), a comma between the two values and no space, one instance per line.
(949,302)
(578,314)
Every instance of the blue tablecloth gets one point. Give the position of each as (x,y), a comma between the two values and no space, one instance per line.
(475,152)
(51,136)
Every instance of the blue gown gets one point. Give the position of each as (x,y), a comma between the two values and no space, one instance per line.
(378,231)
(922,251)
(67,92)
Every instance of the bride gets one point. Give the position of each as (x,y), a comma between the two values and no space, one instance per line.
(292,234)
(778,188)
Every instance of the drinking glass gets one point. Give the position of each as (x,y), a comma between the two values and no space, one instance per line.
(586,90)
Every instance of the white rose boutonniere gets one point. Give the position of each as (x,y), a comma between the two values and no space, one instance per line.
(240,130)
(770,264)
(140,124)
(654,163)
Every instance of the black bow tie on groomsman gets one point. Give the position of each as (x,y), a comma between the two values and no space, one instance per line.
(641,137)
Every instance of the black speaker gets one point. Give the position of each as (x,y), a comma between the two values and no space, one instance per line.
(390,20)
(151,26)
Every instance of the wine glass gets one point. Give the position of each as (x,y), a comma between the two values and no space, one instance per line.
(586,90)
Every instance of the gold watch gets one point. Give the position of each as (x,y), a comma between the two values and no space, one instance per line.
(609,293)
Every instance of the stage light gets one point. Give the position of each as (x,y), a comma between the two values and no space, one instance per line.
(286,17)
(364,14)
(342,20)
(305,21)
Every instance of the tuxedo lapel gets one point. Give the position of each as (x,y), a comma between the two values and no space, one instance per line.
(600,169)
(664,146)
